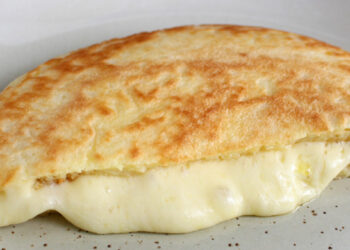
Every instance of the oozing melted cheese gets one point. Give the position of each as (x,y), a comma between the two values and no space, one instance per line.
(188,197)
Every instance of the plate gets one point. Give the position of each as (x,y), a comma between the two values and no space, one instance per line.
(37,30)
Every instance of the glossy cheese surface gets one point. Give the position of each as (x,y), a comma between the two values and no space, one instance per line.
(187,197)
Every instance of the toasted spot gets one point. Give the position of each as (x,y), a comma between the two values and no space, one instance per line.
(236,29)
(143,123)
(345,67)
(134,152)
(98,156)
(151,95)
(104,110)
(8,176)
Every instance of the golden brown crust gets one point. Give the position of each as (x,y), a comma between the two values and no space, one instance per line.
(171,96)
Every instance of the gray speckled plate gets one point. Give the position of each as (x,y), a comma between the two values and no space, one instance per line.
(321,224)
(32,32)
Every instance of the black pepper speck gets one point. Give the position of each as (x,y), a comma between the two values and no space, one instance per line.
(229,244)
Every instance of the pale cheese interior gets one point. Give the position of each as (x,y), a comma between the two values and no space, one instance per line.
(187,197)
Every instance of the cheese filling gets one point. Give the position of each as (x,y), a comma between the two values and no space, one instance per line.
(188,197)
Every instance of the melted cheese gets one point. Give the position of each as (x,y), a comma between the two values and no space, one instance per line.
(188,197)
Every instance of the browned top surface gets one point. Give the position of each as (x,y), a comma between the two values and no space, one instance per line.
(171,96)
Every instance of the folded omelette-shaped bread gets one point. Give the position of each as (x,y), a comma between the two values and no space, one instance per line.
(175,130)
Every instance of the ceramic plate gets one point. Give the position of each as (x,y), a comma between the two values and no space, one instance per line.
(32,32)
